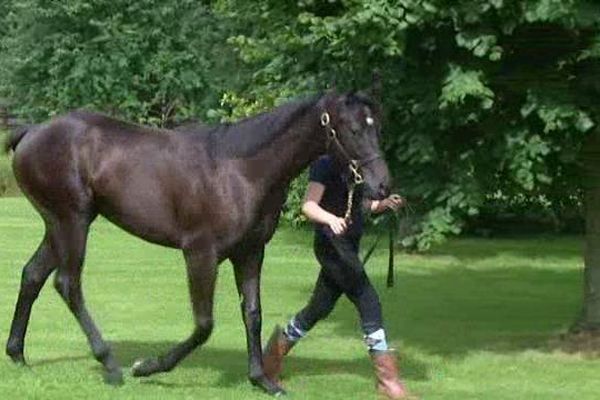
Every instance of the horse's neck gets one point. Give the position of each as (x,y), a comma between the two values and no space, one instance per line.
(301,142)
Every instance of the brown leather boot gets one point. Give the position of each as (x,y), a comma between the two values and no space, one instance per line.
(277,347)
(388,380)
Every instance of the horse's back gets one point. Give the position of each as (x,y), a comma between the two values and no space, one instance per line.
(162,186)
(68,162)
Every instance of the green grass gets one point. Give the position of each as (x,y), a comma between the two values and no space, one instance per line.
(473,319)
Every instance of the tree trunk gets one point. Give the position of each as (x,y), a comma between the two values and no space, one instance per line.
(589,319)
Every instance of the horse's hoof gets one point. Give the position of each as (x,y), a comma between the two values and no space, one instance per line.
(16,354)
(20,362)
(114,377)
(18,359)
(145,367)
(268,386)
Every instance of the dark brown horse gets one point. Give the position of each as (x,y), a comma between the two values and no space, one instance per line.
(216,194)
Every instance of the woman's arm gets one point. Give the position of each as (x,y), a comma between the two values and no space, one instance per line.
(316,213)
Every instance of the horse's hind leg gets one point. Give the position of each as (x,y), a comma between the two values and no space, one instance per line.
(35,274)
(202,275)
(69,244)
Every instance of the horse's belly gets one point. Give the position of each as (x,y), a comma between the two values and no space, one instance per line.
(143,212)
(145,224)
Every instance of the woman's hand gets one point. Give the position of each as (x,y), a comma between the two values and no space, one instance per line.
(393,202)
(337,225)
(316,213)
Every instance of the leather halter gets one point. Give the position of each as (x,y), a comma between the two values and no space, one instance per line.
(353,164)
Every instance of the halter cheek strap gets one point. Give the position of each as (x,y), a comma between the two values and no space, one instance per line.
(353,164)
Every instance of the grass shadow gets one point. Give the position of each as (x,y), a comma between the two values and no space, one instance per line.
(232,363)
(58,360)
(538,247)
(454,311)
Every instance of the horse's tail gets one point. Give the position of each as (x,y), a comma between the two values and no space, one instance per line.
(14,137)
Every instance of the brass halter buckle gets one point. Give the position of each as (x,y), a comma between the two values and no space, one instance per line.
(325,121)
(358,178)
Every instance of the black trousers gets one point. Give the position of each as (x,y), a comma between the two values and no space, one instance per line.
(342,272)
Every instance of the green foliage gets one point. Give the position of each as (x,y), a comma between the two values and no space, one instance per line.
(460,85)
(8,185)
(292,210)
(480,96)
(145,60)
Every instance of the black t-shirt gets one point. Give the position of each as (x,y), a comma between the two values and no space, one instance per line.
(335,178)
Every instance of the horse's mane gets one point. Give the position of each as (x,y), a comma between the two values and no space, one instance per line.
(237,139)
(245,137)
(190,126)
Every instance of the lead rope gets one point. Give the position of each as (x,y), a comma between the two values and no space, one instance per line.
(348,213)
(392,226)
(357,178)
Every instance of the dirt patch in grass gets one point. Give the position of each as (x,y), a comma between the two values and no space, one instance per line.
(584,343)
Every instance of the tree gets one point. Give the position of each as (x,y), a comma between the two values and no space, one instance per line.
(589,318)
(146,60)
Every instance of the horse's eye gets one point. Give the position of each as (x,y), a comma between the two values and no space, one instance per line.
(370,121)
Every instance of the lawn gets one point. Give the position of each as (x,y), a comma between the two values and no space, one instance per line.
(473,319)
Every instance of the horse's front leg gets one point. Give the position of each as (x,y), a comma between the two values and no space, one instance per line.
(247,266)
(201,265)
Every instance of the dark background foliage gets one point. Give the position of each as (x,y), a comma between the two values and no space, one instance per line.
(486,102)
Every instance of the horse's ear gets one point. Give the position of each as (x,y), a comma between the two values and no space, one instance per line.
(328,100)
(332,86)
(375,90)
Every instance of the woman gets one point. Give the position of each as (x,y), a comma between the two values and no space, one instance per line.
(336,247)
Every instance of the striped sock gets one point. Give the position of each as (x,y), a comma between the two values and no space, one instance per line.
(375,341)
(292,332)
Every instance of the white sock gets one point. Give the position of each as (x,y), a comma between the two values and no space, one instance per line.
(292,331)
(376,341)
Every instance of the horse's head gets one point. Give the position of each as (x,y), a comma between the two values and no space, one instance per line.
(353,124)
